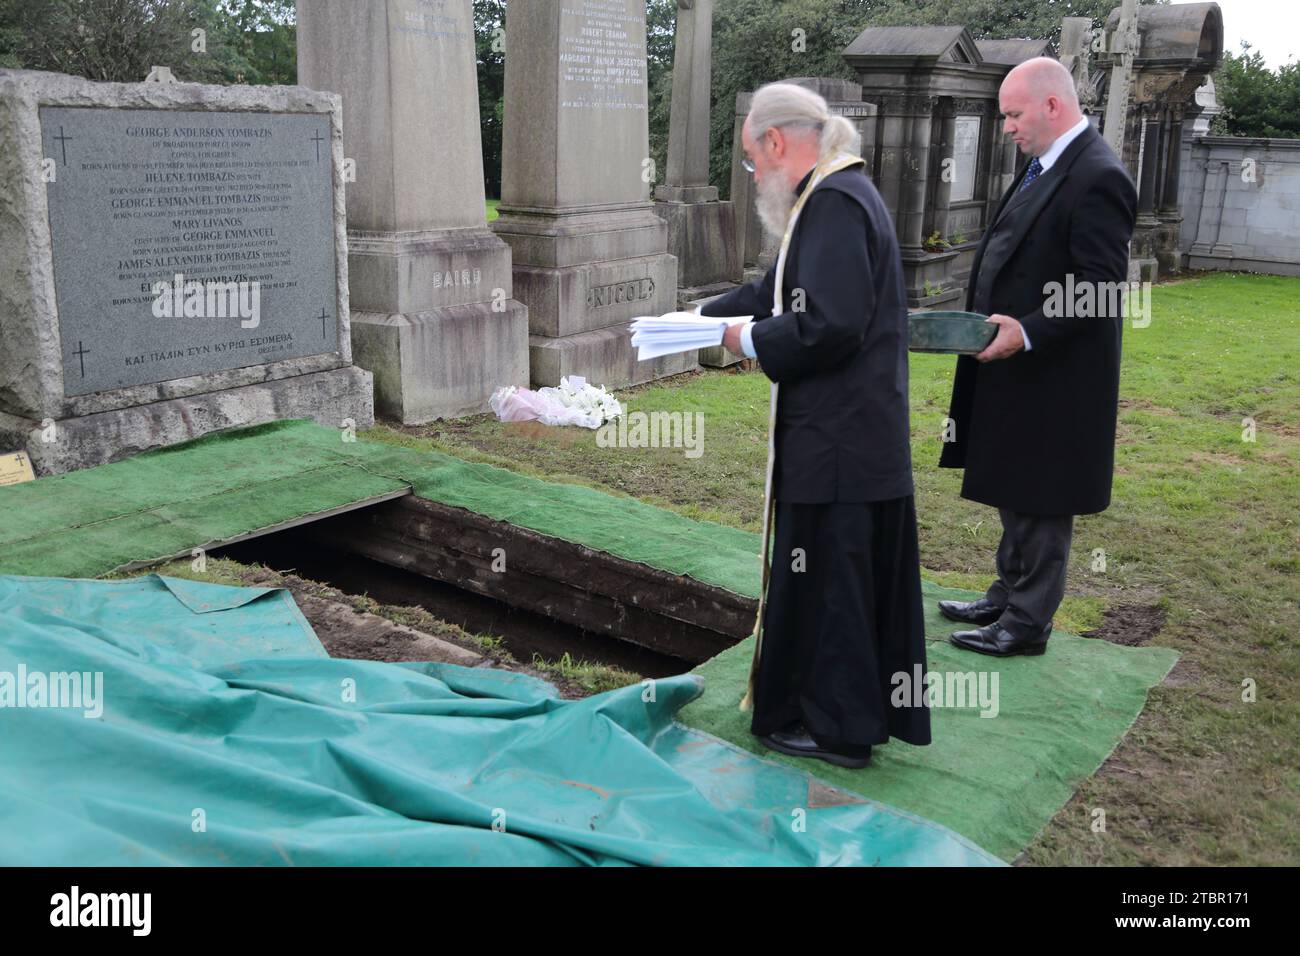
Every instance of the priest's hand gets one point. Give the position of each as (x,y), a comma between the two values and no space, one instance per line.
(1009,340)
(731,338)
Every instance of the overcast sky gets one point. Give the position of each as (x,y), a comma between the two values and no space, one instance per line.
(1271,26)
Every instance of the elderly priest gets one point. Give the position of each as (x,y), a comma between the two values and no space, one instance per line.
(840,624)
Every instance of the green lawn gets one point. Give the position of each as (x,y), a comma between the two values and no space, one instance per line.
(1202,533)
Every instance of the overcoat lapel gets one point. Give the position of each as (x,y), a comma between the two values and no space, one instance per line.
(1027,205)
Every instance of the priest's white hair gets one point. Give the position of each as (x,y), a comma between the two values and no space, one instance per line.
(784,105)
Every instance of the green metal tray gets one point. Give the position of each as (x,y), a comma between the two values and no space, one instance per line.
(950,333)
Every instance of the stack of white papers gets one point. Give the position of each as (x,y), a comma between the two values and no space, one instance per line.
(654,336)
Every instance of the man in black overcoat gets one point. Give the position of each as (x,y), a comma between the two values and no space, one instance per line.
(1033,416)
(843,625)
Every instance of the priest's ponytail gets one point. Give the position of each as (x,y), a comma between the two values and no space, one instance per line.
(839,136)
(787,105)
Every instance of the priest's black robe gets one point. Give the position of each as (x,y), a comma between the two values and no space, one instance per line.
(843,615)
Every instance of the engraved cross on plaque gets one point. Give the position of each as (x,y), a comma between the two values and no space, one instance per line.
(318,139)
(81,354)
(323,317)
(62,140)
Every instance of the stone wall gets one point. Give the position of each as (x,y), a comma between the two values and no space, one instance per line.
(1240,201)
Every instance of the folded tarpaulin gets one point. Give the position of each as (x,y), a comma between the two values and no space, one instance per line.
(166,721)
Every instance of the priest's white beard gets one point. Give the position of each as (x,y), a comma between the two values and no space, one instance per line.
(775,200)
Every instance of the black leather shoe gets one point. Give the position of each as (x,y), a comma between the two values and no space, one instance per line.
(997,640)
(982,611)
(799,743)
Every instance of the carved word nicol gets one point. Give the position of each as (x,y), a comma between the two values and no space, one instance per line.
(630,291)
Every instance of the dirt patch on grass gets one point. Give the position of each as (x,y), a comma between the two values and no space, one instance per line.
(1129,624)
(1185,674)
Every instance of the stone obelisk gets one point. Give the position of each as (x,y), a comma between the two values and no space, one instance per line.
(431,285)
(701,230)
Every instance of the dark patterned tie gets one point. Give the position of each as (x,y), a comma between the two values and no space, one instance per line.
(1031,173)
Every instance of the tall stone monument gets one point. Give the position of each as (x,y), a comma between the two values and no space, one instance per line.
(942,161)
(1077,39)
(1158,57)
(701,230)
(589,252)
(1123,44)
(172,262)
(433,315)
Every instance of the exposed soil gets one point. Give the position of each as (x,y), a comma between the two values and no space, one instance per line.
(347,630)
(1129,624)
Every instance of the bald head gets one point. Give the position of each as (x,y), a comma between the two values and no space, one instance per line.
(1039,102)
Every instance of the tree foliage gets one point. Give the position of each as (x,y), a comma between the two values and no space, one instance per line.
(208,41)
(260,41)
(1257,101)
(489,48)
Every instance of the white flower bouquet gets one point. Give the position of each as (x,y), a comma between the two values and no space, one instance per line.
(573,402)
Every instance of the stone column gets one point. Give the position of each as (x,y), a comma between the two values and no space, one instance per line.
(748,229)
(1143,264)
(701,230)
(915,172)
(1167,209)
(1173,161)
(432,313)
(688,132)
(589,252)
(945,124)
(1150,164)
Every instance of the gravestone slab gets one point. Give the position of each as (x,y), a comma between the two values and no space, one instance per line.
(434,315)
(589,253)
(172,261)
(701,230)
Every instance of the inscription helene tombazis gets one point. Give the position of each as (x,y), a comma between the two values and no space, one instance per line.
(138,197)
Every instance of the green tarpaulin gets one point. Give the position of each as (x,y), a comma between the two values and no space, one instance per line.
(205,725)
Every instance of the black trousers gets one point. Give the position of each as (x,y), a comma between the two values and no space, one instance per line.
(1032,559)
(843,617)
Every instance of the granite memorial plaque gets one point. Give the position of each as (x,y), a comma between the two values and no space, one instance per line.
(188,242)
(966,145)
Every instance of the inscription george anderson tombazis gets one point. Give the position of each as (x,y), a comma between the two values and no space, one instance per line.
(142,198)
